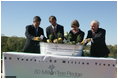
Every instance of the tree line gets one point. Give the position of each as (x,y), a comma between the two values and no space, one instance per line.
(16,44)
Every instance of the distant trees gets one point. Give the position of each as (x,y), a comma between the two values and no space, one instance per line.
(113,51)
(12,44)
(16,44)
(4,43)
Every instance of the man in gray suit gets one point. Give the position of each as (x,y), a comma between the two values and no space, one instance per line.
(54,29)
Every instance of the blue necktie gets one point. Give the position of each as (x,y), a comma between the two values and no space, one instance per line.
(36,31)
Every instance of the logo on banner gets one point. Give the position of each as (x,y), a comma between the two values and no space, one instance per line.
(51,67)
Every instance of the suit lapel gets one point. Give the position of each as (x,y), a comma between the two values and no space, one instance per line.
(57,28)
(38,31)
(51,29)
(33,30)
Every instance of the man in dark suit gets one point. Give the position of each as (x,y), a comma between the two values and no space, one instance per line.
(34,35)
(97,38)
(54,29)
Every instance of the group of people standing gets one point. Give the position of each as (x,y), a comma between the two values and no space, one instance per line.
(96,35)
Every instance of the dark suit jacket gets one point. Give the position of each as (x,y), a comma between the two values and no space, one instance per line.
(74,36)
(31,45)
(98,46)
(59,29)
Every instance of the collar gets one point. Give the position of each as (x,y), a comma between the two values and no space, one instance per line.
(54,26)
(76,31)
(35,27)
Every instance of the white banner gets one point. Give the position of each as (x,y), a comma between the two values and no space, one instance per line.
(24,65)
(61,49)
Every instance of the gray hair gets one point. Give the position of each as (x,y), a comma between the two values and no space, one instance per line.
(95,21)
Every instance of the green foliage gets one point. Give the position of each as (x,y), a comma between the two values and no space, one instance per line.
(113,51)
(66,35)
(12,44)
(51,37)
(78,38)
(16,44)
(59,35)
(4,46)
(69,37)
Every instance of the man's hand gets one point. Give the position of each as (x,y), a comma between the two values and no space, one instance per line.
(88,40)
(41,37)
(36,38)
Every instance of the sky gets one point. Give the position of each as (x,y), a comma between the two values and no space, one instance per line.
(15,15)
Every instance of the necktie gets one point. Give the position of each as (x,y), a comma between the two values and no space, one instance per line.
(36,30)
(54,30)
